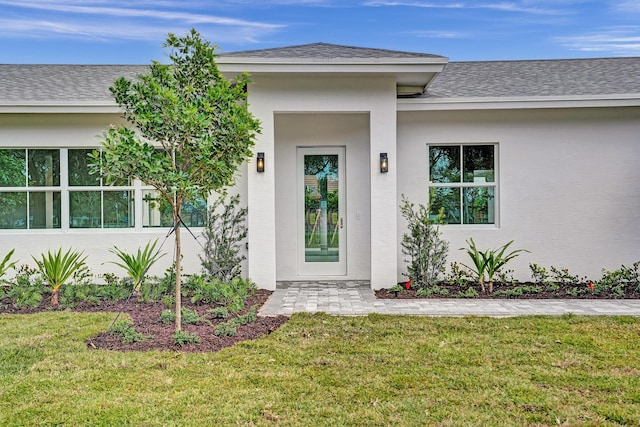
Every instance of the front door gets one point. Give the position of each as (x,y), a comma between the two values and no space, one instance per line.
(321,206)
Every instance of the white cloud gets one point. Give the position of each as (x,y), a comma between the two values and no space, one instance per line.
(626,6)
(440,34)
(520,7)
(101,19)
(612,41)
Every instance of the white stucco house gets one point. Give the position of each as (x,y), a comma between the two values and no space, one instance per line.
(543,152)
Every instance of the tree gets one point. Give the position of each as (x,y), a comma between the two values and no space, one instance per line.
(192,131)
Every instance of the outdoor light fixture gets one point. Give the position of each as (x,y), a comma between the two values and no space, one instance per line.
(260,162)
(384,163)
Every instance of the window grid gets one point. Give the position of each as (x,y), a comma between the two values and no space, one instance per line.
(491,196)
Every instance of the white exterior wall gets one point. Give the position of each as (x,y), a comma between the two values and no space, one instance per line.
(350,130)
(567,182)
(81,131)
(273,95)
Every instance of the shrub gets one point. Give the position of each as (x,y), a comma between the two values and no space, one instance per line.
(225,329)
(27,288)
(422,245)
(219,312)
(114,289)
(468,293)
(617,281)
(224,232)
(209,290)
(189,317)
(436,290)
(128,333)
(181,338)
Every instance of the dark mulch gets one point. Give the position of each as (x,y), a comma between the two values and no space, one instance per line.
(565,291)
(146,320)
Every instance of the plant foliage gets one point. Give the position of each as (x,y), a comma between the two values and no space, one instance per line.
(488,262)
(193,129)
(423,245)
(58,267)
(225,230)
(136,265)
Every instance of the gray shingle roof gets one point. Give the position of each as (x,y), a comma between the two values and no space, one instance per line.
(61,83)
(562,77)
(326,51)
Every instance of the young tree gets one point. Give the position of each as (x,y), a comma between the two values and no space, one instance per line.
(192,130)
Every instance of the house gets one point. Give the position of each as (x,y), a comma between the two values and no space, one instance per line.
(543,152)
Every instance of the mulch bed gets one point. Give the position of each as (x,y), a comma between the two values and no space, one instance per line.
(146,320)
(563,292)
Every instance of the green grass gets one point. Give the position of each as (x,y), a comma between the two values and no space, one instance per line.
(322,370)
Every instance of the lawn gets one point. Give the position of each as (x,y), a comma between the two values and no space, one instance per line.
(323,370)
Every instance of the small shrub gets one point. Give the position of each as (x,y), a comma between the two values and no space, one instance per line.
(245,319)
(76,293)
(219,312)
(225,329)
(128,333)
(189,317)
(169,300)
(167,316)
(423,245)
(224,232)
(182,338)
(617,281)
(561,276)
(114,289)
(469,293)
(27,288)
(458,276)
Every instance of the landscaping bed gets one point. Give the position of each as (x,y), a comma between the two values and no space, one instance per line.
(146,320)
(528,290)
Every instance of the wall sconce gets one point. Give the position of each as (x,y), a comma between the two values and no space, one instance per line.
(260,162)
(384,163)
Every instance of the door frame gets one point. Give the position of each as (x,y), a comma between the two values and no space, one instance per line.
(305,268)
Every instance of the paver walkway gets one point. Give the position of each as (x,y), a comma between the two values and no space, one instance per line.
(353,298)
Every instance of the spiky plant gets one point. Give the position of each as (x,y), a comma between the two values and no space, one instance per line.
(58,267)
(136,265)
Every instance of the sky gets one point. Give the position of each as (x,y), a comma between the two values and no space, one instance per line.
(133,31)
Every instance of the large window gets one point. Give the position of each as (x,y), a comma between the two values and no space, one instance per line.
(462,182)
(39,186)
(29,189)
(92,204)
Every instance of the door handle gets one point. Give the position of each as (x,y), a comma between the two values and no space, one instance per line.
(341,224)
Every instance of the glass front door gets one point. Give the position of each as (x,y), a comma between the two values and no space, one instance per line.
(321,225)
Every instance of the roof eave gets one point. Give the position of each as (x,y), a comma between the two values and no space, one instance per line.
(515,103)
(58,108)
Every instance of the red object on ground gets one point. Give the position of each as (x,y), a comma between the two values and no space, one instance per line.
(591,286)
(408,285)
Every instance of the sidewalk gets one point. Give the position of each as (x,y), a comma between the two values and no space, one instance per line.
(352,298)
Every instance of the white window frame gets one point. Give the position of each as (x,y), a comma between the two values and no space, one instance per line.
(461,184)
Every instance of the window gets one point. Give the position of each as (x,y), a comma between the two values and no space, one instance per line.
(157,212)
(39,186)
(462,182)
(29,189)
(92,204)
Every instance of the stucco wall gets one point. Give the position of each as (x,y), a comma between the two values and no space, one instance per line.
(568,183)
(350,131)
(84,130)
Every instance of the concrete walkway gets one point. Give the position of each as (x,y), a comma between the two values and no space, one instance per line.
(351,298)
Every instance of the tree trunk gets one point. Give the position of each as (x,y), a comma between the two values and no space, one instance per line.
(177,266)
(54,298)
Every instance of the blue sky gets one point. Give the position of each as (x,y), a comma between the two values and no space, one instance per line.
(132,31)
